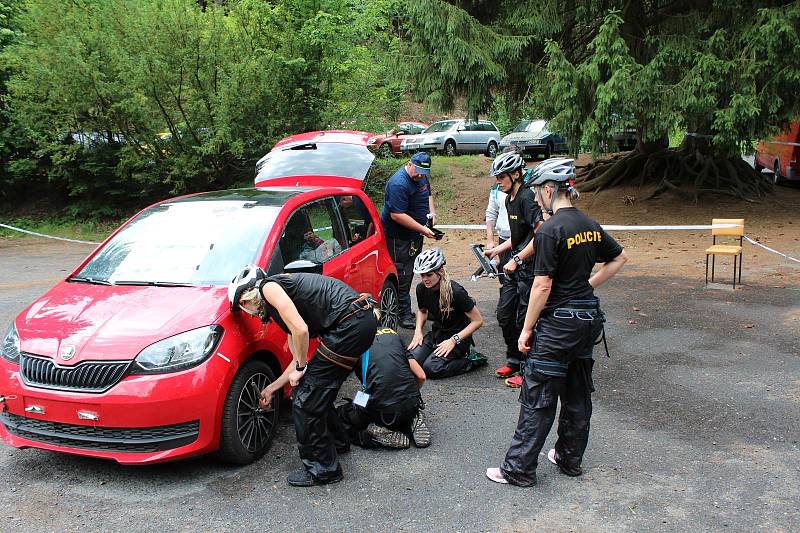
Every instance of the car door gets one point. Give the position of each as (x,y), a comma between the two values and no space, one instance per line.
(401,131)
(359,232)
(313,232)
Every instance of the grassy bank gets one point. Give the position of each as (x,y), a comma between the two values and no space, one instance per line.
(69,228)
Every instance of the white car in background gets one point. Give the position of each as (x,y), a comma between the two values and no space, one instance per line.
(452,137)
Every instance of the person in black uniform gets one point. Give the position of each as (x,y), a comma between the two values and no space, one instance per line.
(445,350)
(305,306)
(524,217)
(568,320)
(386,411)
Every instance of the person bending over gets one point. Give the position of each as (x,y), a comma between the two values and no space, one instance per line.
(445,350)
(305,306)
(387,410)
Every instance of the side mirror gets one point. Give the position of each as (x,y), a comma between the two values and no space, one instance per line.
(401,132)
(302,265)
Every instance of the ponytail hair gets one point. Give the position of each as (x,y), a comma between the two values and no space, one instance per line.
(445,293)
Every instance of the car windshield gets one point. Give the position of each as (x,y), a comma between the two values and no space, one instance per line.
(534,127)
(200,240)
(316,159)
(440,126)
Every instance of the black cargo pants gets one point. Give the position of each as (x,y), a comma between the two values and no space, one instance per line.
(403,253)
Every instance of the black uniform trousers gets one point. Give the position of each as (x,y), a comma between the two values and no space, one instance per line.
(560,366)
(515,291)
(313,412)
(436,367)
(403,253)
(354,419)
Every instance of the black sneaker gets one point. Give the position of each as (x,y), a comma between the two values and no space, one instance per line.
(302,478)
(408,322)
(420,433)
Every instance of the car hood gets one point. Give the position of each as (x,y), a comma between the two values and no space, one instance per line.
(523,136)
(107,323)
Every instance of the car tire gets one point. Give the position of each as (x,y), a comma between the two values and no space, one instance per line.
(390,305)
(491,150)
(756,165)
(385,151)
(247,431)
(777,179)
(450,148)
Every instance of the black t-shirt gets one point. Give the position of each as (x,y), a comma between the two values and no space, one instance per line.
(567,247)
(320,300)
(523,215)
(389,377)
(445,327)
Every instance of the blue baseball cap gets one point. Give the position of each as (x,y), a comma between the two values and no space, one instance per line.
(422,162)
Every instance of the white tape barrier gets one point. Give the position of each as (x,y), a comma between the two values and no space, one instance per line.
(767,248)
(46,236)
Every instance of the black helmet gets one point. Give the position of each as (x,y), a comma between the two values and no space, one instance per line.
(250,277)
(505,163)
(429,260)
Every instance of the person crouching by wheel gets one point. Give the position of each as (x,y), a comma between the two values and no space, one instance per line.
(445,350)
(568,320)
(387,410)
(304,306)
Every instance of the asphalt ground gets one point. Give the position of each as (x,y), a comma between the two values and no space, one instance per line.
(695,428)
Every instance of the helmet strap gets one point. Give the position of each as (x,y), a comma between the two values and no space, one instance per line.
(549,208)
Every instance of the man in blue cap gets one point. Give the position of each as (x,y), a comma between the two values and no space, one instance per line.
(407,203)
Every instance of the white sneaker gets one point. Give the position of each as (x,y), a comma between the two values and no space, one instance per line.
(551,456)
(496,475)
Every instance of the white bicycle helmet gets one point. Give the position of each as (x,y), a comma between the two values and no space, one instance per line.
(429,260)
(251,276)
(505,163)
(559,170)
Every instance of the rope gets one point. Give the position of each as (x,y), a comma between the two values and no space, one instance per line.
(767,248)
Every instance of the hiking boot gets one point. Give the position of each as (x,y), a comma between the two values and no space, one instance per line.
(506,371)
(514,382)
(420,433)
(478,359)
(302,478)
(388,438)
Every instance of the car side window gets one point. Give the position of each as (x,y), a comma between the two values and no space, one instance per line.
(312,233)
(355,215)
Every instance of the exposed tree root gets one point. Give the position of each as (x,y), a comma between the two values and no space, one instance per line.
(691,170)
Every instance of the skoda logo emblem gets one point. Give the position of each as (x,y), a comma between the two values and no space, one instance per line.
(67,352)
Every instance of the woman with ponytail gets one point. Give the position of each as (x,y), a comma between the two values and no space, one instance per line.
(445,350)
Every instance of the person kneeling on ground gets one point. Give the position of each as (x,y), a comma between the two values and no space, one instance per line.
(445,350)
(387,409)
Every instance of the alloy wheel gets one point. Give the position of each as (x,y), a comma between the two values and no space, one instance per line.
(390,306)
(254,424)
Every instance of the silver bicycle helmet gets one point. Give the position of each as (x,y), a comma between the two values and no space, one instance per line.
(505,163)
(559,170)
(429,260)
(251,276)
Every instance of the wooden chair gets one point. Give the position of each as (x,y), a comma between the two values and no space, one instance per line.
(726,249)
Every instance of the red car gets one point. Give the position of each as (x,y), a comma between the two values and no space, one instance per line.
(136,356)
(388,144)
(781,154)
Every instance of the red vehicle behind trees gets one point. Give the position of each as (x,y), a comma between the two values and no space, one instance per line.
(388,144)
(781,154)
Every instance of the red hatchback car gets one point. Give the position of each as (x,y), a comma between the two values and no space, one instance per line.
(388,144)
(136,356)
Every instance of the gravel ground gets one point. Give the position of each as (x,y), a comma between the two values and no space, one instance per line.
(694,428)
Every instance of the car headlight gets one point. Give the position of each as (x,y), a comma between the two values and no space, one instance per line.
(537,141)
(178,352)
(11,346)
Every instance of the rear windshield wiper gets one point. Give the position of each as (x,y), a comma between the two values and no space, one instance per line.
(154,283)
(93,281)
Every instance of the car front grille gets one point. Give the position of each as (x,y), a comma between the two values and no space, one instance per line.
(87,376)
(132,440)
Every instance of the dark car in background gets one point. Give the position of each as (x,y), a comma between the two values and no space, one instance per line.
(534,137)
(388,144)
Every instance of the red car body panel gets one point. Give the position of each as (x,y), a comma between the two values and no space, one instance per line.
(392,139)
(782,153)
(114,323)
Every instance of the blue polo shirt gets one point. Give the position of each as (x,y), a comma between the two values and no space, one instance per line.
(404,195)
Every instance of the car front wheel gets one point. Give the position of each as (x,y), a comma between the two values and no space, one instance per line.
(390,305)
(450,148)
(491,151)
(247,430)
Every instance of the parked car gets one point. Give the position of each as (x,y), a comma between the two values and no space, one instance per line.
(781,154)
(535,138)
(388,144)
(625,139)
(453,137)
(136,355)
